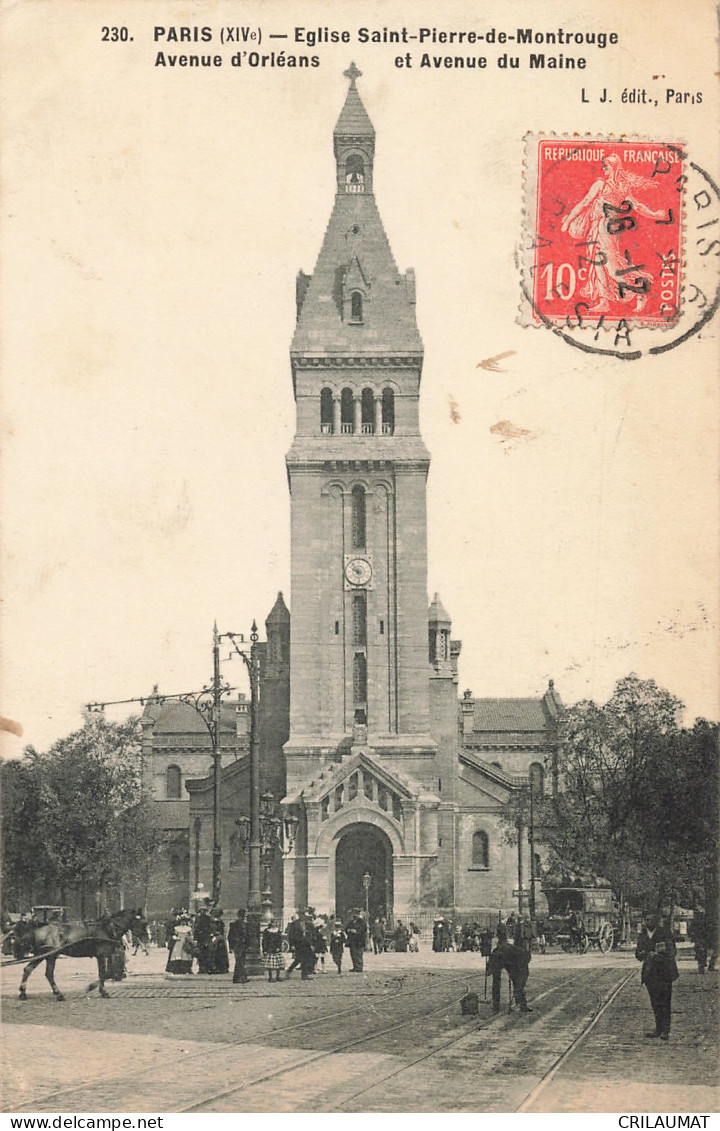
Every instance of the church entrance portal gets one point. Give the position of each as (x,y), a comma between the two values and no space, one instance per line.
(363,848)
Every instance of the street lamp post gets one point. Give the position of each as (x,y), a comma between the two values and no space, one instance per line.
(531,841)
(366,881)
(266,835)
(208,704)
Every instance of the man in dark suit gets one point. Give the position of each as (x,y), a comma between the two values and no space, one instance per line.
(656,950)
(356,932)
(238,941)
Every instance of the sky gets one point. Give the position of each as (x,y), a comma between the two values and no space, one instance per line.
(155,220)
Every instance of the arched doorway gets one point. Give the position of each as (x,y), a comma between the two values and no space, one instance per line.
(363,848)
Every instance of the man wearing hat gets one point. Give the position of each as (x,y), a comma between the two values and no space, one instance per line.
(238,941)
(338,940)
(356,931)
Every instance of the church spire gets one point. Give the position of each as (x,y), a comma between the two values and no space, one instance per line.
(354,141)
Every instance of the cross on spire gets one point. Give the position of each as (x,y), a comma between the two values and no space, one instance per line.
(352,73)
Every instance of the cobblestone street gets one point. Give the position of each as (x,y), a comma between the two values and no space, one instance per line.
(391,1039)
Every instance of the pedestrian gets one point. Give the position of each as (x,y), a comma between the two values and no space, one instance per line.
(170,936)
(273,957)
(338,941)
(238,943)
(181,951)
(520,963)
(295,932)
(495,964)
(202,934)
(437,943)
(139,930)
(414,938)
(401,936)
(656,950)
(305,951)
(219,962)
(378,935)
(486,942)
(356,931)
(319,942)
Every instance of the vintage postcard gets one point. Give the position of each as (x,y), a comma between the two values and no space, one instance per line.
(359,525)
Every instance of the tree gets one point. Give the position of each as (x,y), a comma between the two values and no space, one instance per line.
(87,824)
(637,801)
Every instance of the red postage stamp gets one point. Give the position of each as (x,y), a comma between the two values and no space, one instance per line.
(604,232)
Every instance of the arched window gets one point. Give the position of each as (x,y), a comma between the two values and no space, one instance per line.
(480,850)
(356,307)
(346,410)
(352,787)
(358,518)
(368,411)
(235,850)
(354,173)
(537,780)
(173,784)
(359,678)
(326,410)
(179,866)
(359,618)
(388,412)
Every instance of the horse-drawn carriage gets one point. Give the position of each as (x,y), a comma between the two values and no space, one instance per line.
(581,916)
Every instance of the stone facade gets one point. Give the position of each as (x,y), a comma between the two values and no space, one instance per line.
(396,783)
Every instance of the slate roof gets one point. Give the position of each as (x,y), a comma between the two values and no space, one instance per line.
(174,717)
(354,118)
(517,715)
(279,613)
(355,231)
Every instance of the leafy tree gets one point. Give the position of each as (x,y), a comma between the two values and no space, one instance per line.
(638,796)
(85,813)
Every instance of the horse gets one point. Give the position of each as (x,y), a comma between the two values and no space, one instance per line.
(90,939)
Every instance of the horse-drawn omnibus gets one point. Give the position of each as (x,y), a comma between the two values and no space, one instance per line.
(581,915)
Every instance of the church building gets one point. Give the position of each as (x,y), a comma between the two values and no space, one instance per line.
(388,772)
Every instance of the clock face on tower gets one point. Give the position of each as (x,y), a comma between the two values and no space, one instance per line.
(358,571)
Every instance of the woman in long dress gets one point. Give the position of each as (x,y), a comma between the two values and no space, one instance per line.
(181,955)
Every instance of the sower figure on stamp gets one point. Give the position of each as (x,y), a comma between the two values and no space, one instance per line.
(238,941)
(656,950)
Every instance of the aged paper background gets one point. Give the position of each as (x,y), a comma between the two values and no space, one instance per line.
(154,219)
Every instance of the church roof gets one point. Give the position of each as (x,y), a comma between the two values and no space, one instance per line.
(176,717)
(509,715)
(437,613)
(355,240)
(388,324)
(354,117)
(279,613)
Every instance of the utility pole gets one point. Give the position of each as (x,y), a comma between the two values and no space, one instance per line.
(531,840)
(217,770)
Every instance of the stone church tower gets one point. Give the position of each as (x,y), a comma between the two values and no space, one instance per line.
(397,783)
(361,759)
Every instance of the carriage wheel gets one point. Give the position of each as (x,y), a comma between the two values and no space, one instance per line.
(584,944)
(605,937)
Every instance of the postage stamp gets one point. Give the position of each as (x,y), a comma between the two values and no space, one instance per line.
(607,220)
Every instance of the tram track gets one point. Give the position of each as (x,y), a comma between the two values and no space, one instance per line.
(371,1002)
(224,1097)
(467,1037)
